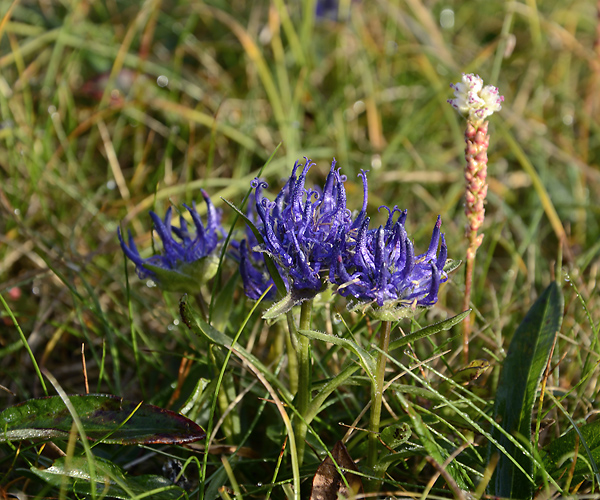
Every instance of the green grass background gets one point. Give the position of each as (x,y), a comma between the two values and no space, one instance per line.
(89,140)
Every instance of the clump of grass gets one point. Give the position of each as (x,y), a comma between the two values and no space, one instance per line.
(92,137)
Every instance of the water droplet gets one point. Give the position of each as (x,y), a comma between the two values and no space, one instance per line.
(17,211)
(35,290)
(359,107)
(150,284)
(175,321)
(51,109)
(259,484)
(162,81)
(110,185)
(447,19)
(337,318)
(376,161)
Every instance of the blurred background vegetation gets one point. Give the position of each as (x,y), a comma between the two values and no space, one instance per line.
(110,109)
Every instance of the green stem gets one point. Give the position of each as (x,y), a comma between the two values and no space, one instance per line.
(304,382)
(290,341)
(377,396)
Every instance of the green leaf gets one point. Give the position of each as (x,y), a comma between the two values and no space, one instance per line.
(280,307)
(187,277)
(366,360)
(451,265)
(199,327)
(293,298)
(108,480)
(560,452)
(104,417)
(396,434)
(522,370)
(429,330)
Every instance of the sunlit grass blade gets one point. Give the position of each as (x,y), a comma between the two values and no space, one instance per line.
(429,330)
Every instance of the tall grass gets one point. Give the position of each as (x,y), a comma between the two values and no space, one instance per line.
(92,138)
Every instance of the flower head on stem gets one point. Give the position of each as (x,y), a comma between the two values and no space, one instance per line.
(476,102)
(301,226)
(188,260)
(379,271)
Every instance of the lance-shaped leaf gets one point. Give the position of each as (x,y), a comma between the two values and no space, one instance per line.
(108,480)
(104,417)
(367,361)
(428,331)
(199,327)
(522,371)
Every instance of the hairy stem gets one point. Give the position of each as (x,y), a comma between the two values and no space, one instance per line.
(377,398)
(304,382)
(290,342)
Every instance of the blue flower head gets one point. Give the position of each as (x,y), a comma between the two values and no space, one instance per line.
(301,226)
(380,273)
(188,261)
(252,265)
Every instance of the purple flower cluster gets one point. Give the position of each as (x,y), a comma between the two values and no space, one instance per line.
(253,269)
(383,268)
(313,238)
(301,227)
(187,260)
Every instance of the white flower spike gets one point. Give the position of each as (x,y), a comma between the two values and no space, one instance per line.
(474,100)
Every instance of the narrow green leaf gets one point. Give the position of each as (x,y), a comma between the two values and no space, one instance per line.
(522,371)
(428,331)
(198,326)
(109,480)
(366,360)
(104,417)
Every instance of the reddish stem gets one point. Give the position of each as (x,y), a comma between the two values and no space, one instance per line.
(477,141)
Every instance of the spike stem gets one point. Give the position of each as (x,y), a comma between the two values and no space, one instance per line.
(477,141)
